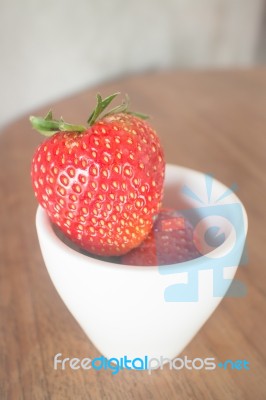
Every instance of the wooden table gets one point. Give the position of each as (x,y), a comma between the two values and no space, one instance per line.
(211,121)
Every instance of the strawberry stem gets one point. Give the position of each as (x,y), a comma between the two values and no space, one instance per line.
(102,104)
(48,126)
(100,107)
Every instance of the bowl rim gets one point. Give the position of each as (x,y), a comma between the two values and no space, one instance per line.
(44,225)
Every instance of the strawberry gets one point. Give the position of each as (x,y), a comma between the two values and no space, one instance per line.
(101,185)
(170,241)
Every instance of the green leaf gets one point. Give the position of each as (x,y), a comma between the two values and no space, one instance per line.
(65,127)
(122,108)
(103,104)
(49,116)
(48,126)
(100,107)
(139,115)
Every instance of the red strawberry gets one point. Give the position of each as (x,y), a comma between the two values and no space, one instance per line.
(101,185)
(170,241)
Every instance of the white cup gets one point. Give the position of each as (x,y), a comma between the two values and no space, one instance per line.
(150,311)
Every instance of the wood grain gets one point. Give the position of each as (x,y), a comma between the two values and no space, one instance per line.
(211,121)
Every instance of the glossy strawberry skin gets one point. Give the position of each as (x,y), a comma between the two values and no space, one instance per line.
(171,241)
(103,186)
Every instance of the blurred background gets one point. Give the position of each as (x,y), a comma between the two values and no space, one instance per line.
(54,48)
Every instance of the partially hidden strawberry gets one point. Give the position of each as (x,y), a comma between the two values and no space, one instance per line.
(101,185)
(171,241)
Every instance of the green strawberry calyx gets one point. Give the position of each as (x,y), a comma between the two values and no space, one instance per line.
(48,126)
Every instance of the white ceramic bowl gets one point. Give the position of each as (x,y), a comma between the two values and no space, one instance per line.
(150,311)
